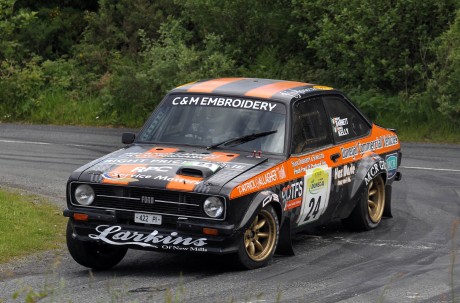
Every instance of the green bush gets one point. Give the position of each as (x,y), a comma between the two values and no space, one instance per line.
(365,44)
(20,88)
(444,87)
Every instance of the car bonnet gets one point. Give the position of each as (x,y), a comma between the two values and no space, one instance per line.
(183,169)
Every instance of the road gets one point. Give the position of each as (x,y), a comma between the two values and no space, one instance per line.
(413,257)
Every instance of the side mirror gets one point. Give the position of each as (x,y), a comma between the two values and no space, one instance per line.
(128,138)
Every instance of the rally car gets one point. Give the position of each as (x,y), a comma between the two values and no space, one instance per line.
(233,166)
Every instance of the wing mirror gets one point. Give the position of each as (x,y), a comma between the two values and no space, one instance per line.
(128,138)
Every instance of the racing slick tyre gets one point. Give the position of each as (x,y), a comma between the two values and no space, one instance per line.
(368,212)
(259,240)
(93,255)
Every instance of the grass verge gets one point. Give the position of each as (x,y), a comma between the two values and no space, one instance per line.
(28,224)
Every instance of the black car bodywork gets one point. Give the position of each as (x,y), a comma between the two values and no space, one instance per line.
(233,165)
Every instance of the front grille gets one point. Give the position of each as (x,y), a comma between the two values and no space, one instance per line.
(156,201)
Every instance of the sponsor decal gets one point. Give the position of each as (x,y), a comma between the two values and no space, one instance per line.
(271,197)
(260,181)
(176,162)
(391,162)
(342,175)
(390,140)
(292,194)
(223,102)
(125,174)
(374,170)
(369,146)
(212,166)
(316,198)
(132,173)
(113,177)
(339,126)
(349,152)
(177,179)
(303,164)
(115,235)
(144,169)
(281,172)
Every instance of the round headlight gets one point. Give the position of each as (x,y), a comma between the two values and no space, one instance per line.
(84,194)
(213,207)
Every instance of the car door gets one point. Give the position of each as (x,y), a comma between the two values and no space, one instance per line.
(311,137)
(348,127)
(321,125)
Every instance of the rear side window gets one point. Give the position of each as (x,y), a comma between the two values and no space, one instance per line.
(346,122)
(311,127)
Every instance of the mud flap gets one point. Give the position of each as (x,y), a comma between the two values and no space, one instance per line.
(387,209)
(285,240)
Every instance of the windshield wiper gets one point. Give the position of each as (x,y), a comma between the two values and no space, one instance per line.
(242,139)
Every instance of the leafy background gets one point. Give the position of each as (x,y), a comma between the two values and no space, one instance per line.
(111,62)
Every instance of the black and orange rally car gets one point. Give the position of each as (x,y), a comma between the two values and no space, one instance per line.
(233,166)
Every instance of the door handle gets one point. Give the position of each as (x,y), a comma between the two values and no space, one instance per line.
(335,157)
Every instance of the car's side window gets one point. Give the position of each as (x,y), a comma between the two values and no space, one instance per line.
(310,126)
(346,123)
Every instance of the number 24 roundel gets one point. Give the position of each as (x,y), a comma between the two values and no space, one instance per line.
(316,196)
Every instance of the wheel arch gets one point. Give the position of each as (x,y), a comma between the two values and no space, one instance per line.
(262,199)
(368,168)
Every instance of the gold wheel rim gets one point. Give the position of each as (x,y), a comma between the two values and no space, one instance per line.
(376,199)
(259,238)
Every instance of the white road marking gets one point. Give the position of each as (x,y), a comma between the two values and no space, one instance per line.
(430,168)
(42,143)
(25,142)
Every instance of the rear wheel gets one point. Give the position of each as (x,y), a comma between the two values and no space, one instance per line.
(92,254)
(369,210)
(258,243)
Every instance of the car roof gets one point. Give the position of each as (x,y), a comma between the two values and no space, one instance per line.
(271,89)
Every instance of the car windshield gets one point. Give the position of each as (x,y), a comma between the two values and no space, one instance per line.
(210,121)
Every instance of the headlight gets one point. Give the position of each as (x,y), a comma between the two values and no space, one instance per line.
(84,194)
(213,207)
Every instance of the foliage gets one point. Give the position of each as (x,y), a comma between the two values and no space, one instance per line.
(20,88)
(372,44)
(444,87)
(11,22)
(111,62)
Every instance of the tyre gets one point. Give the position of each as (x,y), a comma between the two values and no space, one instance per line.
(259,240)
(368,212)
(92,254)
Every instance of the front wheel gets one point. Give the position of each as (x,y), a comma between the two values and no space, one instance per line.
(369,210)
(91,254)
(259,241)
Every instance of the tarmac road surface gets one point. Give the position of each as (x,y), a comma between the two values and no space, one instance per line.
(413,257)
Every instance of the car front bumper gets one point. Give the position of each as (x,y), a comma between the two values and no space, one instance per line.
(184,235)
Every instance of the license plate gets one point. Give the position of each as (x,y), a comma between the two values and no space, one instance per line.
(147,218)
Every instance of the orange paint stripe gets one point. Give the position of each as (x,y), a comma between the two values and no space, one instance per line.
(156,152)
(122,175)
(253,184)
(267,91)
(188,183)
(220,157)
(209,86)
